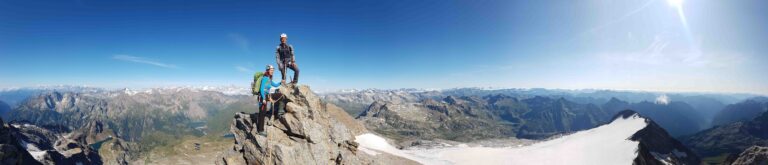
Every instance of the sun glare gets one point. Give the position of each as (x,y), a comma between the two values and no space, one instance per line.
(675,3)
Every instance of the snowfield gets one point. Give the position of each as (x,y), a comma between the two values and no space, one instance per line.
(606,144)
(36,153)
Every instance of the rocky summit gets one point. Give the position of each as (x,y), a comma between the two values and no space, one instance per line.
(310,132)
(752,155)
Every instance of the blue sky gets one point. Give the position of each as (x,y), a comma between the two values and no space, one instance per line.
(700,45)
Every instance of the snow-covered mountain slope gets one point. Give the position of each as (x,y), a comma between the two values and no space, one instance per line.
(628,139)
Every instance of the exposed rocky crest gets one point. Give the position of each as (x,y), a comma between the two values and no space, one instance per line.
(657,146)
(11,151)
(52,147)
(755,155)
(312,132)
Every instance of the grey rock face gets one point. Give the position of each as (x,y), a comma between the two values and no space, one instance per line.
(11,152)
(755,155)
(55,147)
(313,132)
(656,146)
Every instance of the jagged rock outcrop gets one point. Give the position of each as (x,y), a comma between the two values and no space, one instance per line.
(51,147)
(657,147)
(311,132)
(11,152)
(755,155)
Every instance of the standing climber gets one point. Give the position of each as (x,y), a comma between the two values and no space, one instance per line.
(264,97)
(285,58)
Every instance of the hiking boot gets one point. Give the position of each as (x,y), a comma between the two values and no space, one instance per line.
(263,133)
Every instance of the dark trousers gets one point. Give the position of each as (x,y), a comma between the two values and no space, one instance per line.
(262,114)
(286,63)
(280,104)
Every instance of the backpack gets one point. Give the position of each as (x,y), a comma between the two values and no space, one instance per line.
(256,84)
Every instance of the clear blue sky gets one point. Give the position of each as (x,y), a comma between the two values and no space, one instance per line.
(699,45)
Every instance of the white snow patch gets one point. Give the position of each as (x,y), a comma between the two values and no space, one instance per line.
(663,158)
(34,151)
(606,144)
(374,142)
(38,155)
(29,146)
(667,158)
(370,144)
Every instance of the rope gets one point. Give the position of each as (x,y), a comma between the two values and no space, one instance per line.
(271,120)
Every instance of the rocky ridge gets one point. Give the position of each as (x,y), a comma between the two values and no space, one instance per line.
(656,146)
(311,132)
(752,155)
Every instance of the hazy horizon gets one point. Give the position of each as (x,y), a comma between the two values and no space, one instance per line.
(323,90)
(638,45)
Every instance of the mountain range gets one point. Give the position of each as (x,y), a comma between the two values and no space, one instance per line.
(134,123)
(127,126)
(731,138)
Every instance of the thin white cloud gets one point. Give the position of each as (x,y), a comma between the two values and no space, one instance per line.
(620,19)
(243,69)
(143,60)
(241,41)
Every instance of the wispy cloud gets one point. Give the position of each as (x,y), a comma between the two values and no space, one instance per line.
(620,19)
(243,69)
(143,60)
(241,41)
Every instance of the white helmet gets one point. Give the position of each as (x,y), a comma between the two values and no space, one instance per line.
(283,35)
(269,67)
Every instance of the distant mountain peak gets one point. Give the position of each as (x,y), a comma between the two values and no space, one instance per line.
(625,114)
(656,145)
